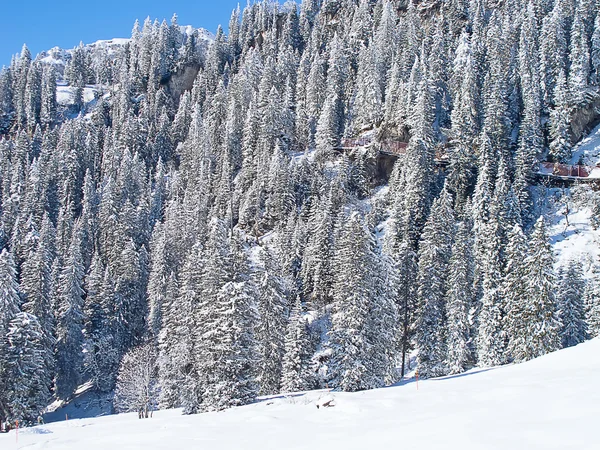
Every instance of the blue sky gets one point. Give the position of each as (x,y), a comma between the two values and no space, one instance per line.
(43,24)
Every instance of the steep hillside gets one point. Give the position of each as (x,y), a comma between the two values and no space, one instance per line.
(332,195)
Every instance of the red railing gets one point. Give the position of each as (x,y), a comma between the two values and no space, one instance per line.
(565,170)
(394,147)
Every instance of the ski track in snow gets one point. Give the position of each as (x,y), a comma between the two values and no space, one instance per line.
(550,403)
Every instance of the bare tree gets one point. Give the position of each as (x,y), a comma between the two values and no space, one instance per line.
(137,383)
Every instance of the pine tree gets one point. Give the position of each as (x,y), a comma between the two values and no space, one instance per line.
(402,271)
(595,52)
(295,366)
(382,325)
(369,96)
(465,121)
(169,373)
(316,268)
(513,290)
(33,94)
(353,293)
(460,301)
(6,99)
(490,338)
(201,297)
(592,306)
(28,380)
(9,292)
(560,121)
(274,310)
(571,307)
(70,321)
(435,251)
(158,281)
(234,381)
(554,48)
(179,347)
(419,169)
(538,315)
(101,357)
(35,286)
(579,57)
(9,309)
(530,143)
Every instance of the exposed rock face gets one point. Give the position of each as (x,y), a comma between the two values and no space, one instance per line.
(182,81)
(586,117)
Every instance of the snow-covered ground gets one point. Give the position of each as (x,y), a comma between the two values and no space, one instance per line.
(588,149)
(549,403)
(572,235)
(569,211)
(64,94)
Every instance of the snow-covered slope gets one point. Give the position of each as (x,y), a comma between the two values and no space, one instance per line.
(59,57)
(587,151)
(572,235)
(569,211)
(549,403)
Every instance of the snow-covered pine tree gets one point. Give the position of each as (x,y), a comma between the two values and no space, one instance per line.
(595,51)
(402,269)
(350,367)
(273,307)
(383,323)
(460,301)
(28,378)
(419,169)
(48,108)
(579,57)
(538,317)
(513,290)
(592,305)
(530,143)
(36,284)
(296,374)
(465,120)
(560,121)
(490,337)
(435,250)
(182,349)
(369,96)
(100,356)
(234,381)
(169,373)
(158,281)
(316,268)
(9,308)
(33,94)
(70,321)
(554,48)
(571,307)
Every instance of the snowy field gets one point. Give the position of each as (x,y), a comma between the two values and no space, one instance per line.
(549,403)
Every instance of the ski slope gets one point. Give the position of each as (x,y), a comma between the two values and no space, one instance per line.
(549,403)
